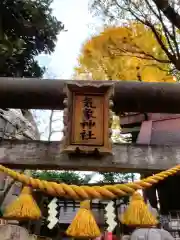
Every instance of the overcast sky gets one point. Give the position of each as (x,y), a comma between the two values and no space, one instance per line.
(80,25)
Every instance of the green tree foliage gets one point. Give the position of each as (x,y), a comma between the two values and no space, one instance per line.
(68,177)
(111,177)
(27,28)
(71,177)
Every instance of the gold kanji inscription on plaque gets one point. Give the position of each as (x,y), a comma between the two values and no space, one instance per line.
(88,126)
(87,119)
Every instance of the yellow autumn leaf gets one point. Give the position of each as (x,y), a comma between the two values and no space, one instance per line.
(124,53)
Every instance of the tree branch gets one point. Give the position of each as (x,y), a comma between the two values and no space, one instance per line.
(167,33)
(168,11)
(174,59)
(175,41)
(139,54)
(50,124)
(158,38)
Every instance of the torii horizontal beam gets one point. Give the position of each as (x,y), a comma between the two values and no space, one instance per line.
(130,96)
(20,154)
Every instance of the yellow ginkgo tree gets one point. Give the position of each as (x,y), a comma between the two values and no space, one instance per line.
(128,52)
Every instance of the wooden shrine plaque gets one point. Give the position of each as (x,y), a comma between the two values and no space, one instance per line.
(87,119)
(87,123)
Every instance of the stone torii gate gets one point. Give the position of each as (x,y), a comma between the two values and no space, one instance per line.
(127,97)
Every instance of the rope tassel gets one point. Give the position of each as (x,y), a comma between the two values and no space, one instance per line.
(23,208)
(84,225)
(137,213)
